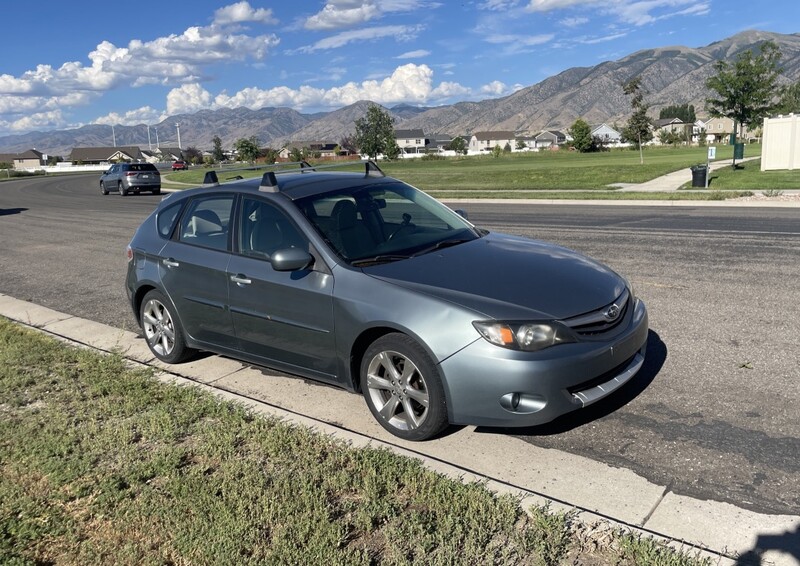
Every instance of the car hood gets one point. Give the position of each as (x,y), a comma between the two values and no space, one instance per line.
(508,277)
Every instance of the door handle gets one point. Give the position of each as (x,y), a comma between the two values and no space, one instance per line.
(241,279)
(169,262)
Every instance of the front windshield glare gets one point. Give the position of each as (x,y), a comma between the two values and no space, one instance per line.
(393,220)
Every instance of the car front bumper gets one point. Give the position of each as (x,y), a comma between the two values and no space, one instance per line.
(491,386)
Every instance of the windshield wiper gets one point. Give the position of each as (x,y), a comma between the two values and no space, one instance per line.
(378,259)
(441,245)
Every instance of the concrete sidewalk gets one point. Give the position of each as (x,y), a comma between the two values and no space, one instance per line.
(673,181)
(604,497)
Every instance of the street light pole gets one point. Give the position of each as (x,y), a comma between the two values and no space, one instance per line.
(113,135)
(178,127)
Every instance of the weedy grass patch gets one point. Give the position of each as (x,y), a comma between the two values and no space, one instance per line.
(101,463)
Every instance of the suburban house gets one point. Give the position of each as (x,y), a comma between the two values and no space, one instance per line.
(486,141)
(438,142)
(170,153)
(719,130)
(26,160)
(549,139)
(673,126)
(410,141)
(99,155)
(606,134)
(317,148)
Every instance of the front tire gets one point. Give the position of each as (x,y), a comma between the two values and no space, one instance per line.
(403,388)
(103,188)
(162,330)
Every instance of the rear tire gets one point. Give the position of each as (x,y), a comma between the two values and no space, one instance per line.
(156,191)
(403,388)
(122,190)
(162,329)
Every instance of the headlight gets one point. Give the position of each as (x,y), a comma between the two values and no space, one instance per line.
(527,336)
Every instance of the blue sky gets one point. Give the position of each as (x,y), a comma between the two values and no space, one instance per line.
(68,64)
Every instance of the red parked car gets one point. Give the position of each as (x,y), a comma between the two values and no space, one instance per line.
(179,166)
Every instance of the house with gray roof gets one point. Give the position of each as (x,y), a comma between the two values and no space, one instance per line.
(486,141)
(411,141)
(550,139)
(100,155)
(30,159)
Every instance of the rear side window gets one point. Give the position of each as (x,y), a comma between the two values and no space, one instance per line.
(206,222)
(166,219)
(142,167)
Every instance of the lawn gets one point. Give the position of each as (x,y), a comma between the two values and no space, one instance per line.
(101,463)
(748,176)
(519,174)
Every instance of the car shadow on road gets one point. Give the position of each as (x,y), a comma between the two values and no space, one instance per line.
(8,211)
(654,360)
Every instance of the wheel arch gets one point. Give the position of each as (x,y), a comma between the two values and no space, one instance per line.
(370,335)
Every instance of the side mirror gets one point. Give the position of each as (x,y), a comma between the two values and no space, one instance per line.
(462,213)
(291,259)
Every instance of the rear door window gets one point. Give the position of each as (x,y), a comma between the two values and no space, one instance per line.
(206,222)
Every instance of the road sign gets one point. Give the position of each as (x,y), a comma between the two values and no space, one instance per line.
(712,153)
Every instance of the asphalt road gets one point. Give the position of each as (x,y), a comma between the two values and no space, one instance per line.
(713,414)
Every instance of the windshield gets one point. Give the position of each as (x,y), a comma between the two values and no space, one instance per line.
(384,222)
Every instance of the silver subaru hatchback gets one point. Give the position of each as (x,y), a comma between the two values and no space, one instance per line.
(362,281)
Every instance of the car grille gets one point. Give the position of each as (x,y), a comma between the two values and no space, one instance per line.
(601,321)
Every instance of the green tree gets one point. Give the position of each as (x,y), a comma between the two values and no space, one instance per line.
(348,144)
(638,130)
(684,112)
(297,154)
(581,136)
(789,102)
(270,155)
(193,155)
(459,145)
(745,89)
(375,132)
(247,148)
(217,154)
(53,160)
(521,144)
(497,151)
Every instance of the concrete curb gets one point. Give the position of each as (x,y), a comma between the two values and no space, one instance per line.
(600,494)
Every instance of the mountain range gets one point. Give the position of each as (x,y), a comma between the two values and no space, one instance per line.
(669,76)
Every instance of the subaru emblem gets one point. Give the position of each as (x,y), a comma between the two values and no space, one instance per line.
(611,313)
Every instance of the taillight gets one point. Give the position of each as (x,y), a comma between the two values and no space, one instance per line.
(129,253)
(130,174)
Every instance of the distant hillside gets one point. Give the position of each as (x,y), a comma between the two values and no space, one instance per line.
(670,75)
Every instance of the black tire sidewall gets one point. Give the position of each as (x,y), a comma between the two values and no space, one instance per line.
(436,421)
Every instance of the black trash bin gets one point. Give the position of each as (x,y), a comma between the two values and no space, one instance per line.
(699,175)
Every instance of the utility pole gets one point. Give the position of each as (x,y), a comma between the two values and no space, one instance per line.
(178,127)
(149,144)
(156,129)
(113,135)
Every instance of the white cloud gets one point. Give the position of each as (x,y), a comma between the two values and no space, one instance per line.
(402,33)
(498,5)
(37,121)
(520,40)
(143,115)
(242,12)
(574,22)
(494,88)
(187,99)
(636,12)
(408,83)
(419,53)
(342,14)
